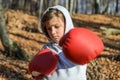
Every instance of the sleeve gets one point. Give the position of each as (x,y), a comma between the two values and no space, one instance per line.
(44,47)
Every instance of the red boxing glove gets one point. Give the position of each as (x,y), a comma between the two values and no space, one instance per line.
(81,45)
(43,63)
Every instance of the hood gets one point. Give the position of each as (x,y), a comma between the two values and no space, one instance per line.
(68,20)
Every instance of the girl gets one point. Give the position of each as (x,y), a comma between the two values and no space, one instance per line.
(55,23)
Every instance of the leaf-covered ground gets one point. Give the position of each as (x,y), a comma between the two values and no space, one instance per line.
(23,29)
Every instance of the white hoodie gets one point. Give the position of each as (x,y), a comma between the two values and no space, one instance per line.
(65,69)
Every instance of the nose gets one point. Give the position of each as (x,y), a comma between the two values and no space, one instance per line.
(53,31)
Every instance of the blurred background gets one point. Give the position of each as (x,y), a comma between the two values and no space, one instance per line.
(111,7)
(21,37)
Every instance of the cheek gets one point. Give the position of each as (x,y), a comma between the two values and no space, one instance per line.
(61,32)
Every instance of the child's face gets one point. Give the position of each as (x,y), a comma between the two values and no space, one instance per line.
(55,28)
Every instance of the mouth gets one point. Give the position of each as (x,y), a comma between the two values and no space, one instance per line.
(55,38)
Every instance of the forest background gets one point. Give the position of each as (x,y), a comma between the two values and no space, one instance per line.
(21,36)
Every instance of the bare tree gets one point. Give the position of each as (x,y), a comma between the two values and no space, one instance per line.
(111,8)
(10,47)
(103,4)
(27,5)
(116,9)
(56,2)
(40,8)
(74,7)
(66,4)
(21,4)
(96,6)
(71,6)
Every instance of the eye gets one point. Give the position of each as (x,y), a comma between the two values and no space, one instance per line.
(48,28)
(57,26)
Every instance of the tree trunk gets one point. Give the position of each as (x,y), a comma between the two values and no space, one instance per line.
(74,7)
(21,4)
(14,4)
(96,6)
(89,7)
(66,4)
(111,9)
(40,8)
(33,7)
(46,4)
(27,6)
(103,6)
(116,9)
(10,47)
(56,2)
(71,6)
